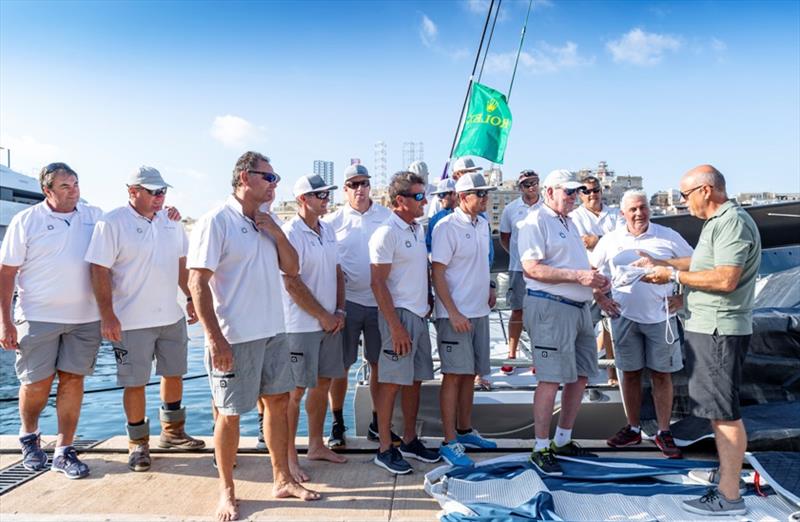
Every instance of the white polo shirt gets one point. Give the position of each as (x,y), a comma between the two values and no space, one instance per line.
(554,241)
(640,302)
(318,259)
(143,257)
(514,213)
(601,224)
(246,285)
(463,246)
(53,282)
(353,230)
(403,245)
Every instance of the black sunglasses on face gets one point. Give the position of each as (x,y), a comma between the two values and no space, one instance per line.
(685,195)
(325,194)
(157,192)
(353,185)
(588,191)
(572,191)
(419,196)
(444,194)
(529,184)
(269,177)
(479,193)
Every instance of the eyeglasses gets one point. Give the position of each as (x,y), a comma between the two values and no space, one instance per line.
(269,177)
(529,184)
(325,194)
(156,193)
(353,185)
(443,195)
(53,167)
(479,193)
(571,191)
(685,195)
(588,191)
(419,196)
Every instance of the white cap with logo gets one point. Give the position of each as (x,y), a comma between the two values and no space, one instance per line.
(472,181)
(147,177)
(561,178)
(311,183)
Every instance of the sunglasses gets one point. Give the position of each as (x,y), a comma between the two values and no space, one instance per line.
(52,167)
(529,184)
(157,192)
(325,194)
(353,185)
(479,193)
(419,196)
(444,194)
(588,191)
(269,177)
(685,195)
(571,191)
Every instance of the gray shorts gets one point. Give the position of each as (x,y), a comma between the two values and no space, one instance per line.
(47,347)
(515,296)
(361,320)
(714,366)
(638,345)
(260,367)
(167,345)
(313,355)
(464,353)
(415,366)
(563,340)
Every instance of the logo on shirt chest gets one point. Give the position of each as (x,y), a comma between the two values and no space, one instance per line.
(244,230)
(562,235)
(139,230)
(467,235)
(408,243)
(50,227)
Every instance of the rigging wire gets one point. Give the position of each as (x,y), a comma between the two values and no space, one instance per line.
(519,50)
(469,83)
(491,34)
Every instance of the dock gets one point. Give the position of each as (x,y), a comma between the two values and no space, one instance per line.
(183,486)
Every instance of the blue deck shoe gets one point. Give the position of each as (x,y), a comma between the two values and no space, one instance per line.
(33,456)
(416,450)
(69,465)
(473,439)
(453,452)
(392,461)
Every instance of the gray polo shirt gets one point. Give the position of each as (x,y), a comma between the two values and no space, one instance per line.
(729,238)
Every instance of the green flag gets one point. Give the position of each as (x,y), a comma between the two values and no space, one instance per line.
(486,126)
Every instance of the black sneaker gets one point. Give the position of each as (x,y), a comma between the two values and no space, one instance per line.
(392,461)
(261,444)
(336,438)
(372,435)
(546,462)
(570,449)
(416,450)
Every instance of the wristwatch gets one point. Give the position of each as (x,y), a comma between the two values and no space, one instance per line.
(340,311)
(492,284)
(674,276)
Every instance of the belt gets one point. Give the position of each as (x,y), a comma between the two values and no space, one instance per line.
(556,298)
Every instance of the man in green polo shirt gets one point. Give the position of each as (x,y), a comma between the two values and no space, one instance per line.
(720,281)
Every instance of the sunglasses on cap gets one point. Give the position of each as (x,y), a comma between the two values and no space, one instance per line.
(479,193)
(418,196)
(353,185)
(157,192)
(325,194)
(588,191)
(269,177)
(443,195)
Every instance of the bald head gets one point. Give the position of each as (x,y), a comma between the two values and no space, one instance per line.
(706,175)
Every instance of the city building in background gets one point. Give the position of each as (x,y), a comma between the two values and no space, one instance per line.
(324,169)
(613,186)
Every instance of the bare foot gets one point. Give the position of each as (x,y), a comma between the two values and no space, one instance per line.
(298,473)
(293,489)
(323,453)
(228,506)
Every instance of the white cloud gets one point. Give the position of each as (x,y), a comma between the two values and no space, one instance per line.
(545,58)
(718,45)
(427,31)
(640,48)
(29,154)
(236,132)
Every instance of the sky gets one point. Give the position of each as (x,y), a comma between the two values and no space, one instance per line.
(653,88)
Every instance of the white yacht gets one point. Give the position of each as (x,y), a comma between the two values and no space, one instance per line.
(17,192)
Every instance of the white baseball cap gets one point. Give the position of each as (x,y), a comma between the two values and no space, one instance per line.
(561,178)
(465,164)
(444,186)
(147,177)
(472,181)
(310,183)
(420,168)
